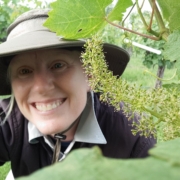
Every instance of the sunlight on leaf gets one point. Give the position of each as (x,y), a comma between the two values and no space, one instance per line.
(172,49)
(78,18)
(86,164)
(119,9)
(170,10)
(167,7)
(171,155)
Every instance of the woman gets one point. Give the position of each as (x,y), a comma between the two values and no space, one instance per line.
(52,109)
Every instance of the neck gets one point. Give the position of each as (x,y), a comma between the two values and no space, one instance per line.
(71,132)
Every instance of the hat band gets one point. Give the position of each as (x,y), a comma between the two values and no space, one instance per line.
(28,26)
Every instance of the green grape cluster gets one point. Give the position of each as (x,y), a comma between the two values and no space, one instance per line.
(159,109)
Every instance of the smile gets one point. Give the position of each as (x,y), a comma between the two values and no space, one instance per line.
(48,106)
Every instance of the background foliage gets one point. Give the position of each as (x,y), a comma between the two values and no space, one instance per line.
(11,9)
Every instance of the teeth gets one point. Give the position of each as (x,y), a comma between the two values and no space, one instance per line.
(48,107)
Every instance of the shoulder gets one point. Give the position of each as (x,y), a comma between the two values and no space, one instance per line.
(15,125)
(107,115)
(14,114)
(117,129)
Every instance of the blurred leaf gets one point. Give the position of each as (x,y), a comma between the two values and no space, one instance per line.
(167,7)
(78,18)
(169,64)
(172,49)
(174,22)
(119,9)
(161,63)
(168,151)
(172,85)
(170,10)
(87,164)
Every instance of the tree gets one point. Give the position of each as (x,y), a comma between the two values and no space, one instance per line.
(11,9)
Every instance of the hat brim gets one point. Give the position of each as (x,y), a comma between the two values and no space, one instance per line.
(116,57)
(35,40)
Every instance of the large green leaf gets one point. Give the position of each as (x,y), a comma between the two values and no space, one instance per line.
(170,10)
(89,164)
(167,7)
(78,18)
(119,9)
(172,49)
(168,151)
(174,22)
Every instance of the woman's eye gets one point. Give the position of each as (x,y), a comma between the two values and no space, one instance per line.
(58,65)
(25,71)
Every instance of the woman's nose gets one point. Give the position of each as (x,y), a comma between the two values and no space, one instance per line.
(43,82)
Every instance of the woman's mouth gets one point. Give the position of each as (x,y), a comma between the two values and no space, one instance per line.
(43,107)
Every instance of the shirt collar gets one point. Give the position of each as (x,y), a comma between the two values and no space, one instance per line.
(88,129)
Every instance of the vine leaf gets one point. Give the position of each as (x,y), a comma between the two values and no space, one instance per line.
(174,22)
(170,10)
(172,49)
(78,18)
(89,163)
(167,7)
(117,12)
(172,155)
(81,19)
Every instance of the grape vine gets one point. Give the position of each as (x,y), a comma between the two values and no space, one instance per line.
(159,108)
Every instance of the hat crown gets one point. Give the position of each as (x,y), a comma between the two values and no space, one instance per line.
(32,14)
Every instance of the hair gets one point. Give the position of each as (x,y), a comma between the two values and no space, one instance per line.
(8,109)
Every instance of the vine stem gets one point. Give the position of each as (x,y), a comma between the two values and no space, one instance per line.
(132,31)
(152,14)
(142,4)
(148,27)
(148,72)
(164,32)
(128,14)
(141,15)
(154,114)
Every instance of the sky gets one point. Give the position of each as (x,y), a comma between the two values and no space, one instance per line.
(31,4)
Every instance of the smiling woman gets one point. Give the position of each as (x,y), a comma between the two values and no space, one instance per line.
(52,109)
(39,84)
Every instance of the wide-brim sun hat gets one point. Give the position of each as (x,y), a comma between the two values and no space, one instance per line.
(27,33)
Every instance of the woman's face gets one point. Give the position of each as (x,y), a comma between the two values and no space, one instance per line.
(50,88)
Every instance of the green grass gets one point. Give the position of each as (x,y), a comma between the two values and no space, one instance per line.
(135,73)
(4,171)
